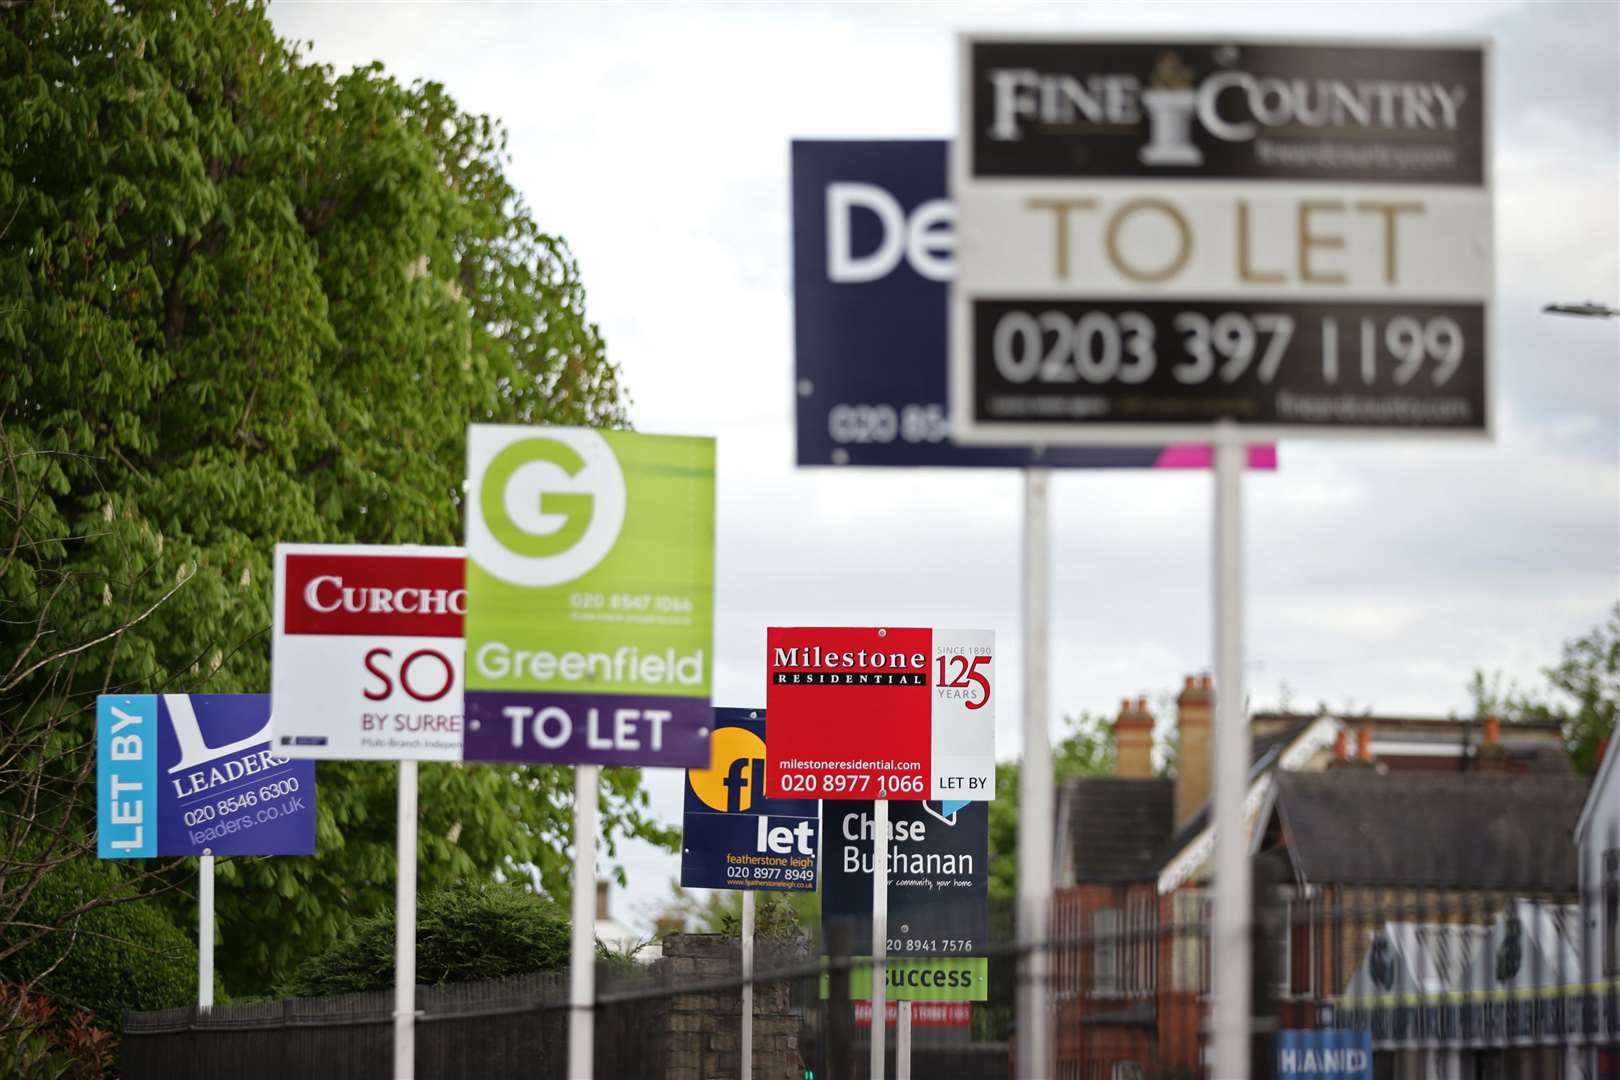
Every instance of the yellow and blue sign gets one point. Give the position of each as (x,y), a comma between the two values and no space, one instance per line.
(733,836)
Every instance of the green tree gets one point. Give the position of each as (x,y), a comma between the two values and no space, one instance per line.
(250,299)
(1588,676)
(463,933)
(778,916)
(108,958)
(1583,693)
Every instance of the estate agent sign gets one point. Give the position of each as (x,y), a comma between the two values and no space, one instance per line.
(590,595)
(1155,235)
(367,652)
(881,713)
(874,249)
(193,774)
(733,835)
(938,898)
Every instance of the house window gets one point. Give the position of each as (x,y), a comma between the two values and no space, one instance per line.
(1105,951)
(1139,949)
(1302,931)
(1126,1070)
(1282,960)
(1190,941)
(1611,912)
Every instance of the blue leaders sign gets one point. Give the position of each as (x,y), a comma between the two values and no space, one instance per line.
(733,836)
(873,255)
(189,774)
(1324,1055)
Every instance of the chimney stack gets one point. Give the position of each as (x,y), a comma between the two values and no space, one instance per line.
(1364,736)
(1133,741)
(1492,754)
(602,900)
(1341,746)
(1193,711)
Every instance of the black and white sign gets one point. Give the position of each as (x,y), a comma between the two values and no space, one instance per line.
(939,875)
(874,243)
(1156,236)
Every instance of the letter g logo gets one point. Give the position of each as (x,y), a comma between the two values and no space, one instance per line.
(547,503)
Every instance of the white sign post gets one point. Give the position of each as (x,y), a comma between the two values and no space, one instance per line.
(1035,795)
(367,658)
(205,930)
(747,1047)
(1210,240)
(880,933)
(582,952)
(405,927)
(902,1041)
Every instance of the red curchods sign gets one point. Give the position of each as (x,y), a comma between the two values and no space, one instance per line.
(366,653)
(396,595)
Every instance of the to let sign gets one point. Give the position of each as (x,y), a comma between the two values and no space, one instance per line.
(366,658)
(1158,236)
(590,596)
(195,774)
(732,835)
(881,713)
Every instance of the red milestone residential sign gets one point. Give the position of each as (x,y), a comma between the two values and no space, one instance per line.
(880,713)
(367,655)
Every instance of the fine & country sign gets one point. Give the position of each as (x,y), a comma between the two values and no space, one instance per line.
(1155,236)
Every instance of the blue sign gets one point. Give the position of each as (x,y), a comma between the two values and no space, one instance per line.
(1324,1055)
(733,836)
(873,254)
(194,774)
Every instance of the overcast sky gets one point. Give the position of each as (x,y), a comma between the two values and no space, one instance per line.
(1380,574)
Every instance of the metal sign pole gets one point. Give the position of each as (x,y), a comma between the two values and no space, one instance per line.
(880,931)
(205,930)
(1230,767)
(902,1040)
(582,960)
(748,985)
(405,927)
(1035,796)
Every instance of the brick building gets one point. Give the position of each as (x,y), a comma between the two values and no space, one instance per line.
(1355,812)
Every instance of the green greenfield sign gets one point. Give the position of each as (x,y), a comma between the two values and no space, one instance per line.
(955,978)
(590,596)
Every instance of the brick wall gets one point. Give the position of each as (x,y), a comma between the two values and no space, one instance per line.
(704,1029)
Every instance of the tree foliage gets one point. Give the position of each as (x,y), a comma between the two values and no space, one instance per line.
(1582,695)
(248,299)
(109,958)
(778,916)
(463,933)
